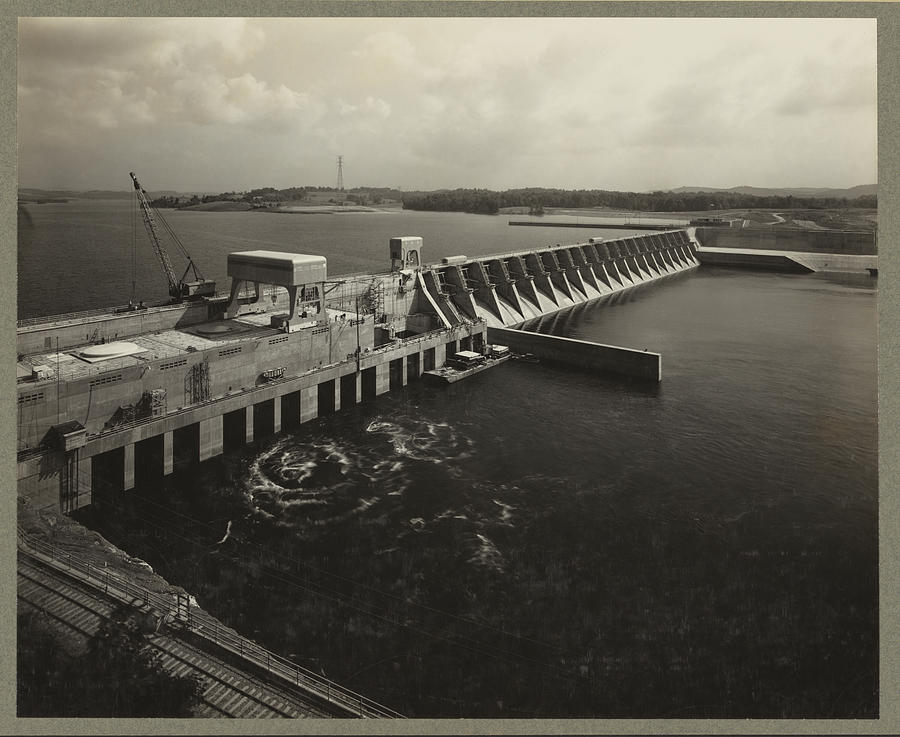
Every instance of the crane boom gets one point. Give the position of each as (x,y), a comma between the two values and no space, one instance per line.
(158,249)
(178,288)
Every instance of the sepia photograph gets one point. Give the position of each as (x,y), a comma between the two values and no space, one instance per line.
(447,368)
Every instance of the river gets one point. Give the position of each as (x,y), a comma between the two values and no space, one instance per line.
(536,541)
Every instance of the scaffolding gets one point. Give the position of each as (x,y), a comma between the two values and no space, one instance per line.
(372,299)
(365,296)
(156,398)
(196,383)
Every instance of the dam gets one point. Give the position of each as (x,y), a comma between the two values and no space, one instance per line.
(107,395)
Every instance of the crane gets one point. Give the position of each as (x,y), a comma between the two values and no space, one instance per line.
(178,288)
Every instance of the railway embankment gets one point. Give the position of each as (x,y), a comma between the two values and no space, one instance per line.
(75,578)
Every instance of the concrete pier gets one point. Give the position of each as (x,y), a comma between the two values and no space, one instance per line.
(168,463)
(248,423)
(128,467)
(309,409)
(211,443)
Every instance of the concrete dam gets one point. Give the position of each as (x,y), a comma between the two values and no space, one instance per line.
(782,249)
(512,288)
(108,396)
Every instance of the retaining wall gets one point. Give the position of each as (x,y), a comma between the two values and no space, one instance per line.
(780,239)
(585,354)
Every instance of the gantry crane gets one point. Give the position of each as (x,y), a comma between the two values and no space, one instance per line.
(178,288)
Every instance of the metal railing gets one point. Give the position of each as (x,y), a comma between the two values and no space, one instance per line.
(541,249)
(467,323)
(29,321)
(112,311)
(178,612)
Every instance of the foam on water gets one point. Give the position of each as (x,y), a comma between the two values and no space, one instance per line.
(321,475)
(486,554)
(506,511)
(317,482)
(423,440)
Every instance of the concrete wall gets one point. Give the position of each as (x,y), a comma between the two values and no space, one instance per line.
(789,261)
(775,239)
(751,259)
(41,480)
(585,354)
(42,336)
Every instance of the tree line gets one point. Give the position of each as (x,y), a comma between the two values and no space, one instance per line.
(480,201)
(119,674)
(489,202)
(359,195)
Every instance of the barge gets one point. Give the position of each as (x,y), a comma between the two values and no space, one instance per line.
(463,364)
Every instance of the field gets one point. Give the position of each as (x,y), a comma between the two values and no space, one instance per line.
(857,219)
(334,201)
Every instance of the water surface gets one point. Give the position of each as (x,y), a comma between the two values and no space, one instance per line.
(540,541)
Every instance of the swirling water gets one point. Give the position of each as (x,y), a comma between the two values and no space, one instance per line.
(541,541)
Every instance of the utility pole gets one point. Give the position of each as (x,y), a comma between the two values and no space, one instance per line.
(340,182)
(358,350)
(57,379)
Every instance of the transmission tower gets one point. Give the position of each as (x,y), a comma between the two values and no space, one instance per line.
(340,185)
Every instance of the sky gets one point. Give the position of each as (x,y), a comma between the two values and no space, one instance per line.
(636,104)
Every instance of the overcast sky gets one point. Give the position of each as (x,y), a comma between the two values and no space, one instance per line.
(213,105)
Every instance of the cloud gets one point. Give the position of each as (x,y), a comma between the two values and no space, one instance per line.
(833,87)
(445,102)
(50,46)
(156,71)
(211,98)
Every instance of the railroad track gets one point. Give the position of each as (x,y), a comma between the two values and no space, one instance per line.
(227,691)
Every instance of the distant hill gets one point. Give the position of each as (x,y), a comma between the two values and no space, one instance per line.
(26,194)
(851,193)
(31,194)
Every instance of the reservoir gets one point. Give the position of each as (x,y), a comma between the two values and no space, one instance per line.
(535,541)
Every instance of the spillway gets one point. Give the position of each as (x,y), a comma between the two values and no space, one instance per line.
(509,289)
